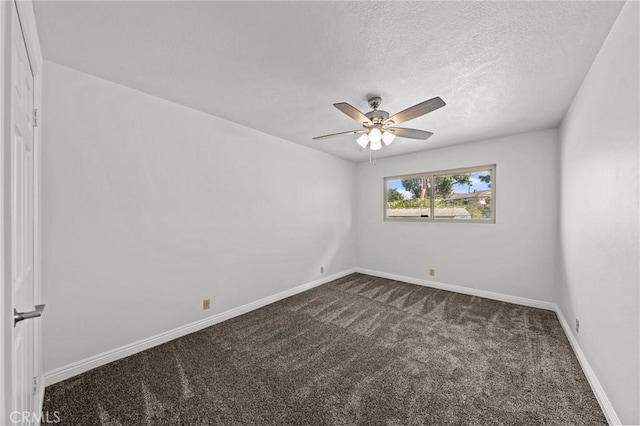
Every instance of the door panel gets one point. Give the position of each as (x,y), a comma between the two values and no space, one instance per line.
(21,209)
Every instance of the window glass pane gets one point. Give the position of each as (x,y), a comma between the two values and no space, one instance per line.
(409,198)
(463,195)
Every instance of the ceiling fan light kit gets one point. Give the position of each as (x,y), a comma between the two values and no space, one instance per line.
(388,137)
(363,140)
(379,128)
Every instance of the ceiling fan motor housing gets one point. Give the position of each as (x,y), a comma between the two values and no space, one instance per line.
(377,116)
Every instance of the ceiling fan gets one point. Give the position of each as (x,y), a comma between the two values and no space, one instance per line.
(378,127)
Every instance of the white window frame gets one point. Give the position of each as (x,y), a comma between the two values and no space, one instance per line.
(431,176)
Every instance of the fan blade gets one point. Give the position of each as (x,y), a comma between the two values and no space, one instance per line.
(353,132)
(416,111)
(353,113)
(410,133)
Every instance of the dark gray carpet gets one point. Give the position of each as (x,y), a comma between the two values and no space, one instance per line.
(358,350)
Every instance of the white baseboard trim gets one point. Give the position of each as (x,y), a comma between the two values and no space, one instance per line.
(596,387)
(87,364)
(549,306)
(73,369)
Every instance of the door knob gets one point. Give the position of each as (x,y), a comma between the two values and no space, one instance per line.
(19,316)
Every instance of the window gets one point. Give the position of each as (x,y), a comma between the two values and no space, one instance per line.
(450,195)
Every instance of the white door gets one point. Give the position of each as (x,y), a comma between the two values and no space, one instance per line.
(19,204)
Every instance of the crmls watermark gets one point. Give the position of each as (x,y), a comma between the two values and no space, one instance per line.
(32,418)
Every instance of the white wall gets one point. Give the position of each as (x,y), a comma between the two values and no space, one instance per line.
(149,207)
(515,256)
(599,215)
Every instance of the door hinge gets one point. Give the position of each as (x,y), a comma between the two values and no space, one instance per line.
(35,385)
(36,118)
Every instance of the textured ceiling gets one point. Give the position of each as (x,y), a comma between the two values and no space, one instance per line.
(502,67)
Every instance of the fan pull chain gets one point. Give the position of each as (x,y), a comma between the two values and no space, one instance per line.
(375,157)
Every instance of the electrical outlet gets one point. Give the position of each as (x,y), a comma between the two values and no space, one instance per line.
(322,269)
(432,272)
(577,325)
(206,303)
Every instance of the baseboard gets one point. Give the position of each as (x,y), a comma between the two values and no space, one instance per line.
(87,364)
(68,371)
(464,290)
(597,389)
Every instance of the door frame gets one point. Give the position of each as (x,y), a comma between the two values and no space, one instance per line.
(25,12)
